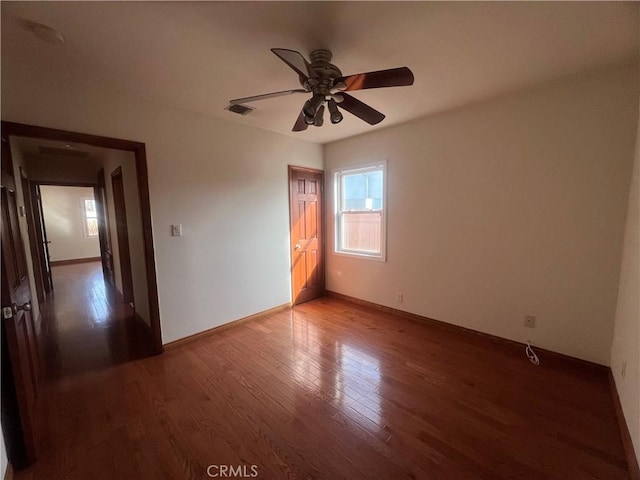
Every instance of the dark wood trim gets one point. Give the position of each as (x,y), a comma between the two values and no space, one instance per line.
(73,261)
(24,130)
(40,237)
(104,229)
(64,184)
(41,231)
(197,336)
(147,233)
(138,148)
(627,443)
(122,234)
(413,316)
(34,245)
(306,169)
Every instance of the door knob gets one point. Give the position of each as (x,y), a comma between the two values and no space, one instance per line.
(297,247)
(26,307)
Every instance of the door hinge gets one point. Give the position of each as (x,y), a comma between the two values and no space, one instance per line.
(7,313)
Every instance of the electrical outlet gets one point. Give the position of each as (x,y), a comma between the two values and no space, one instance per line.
(399,297)
(623,371)
(530,321)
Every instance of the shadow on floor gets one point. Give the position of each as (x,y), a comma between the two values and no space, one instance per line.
(86,326)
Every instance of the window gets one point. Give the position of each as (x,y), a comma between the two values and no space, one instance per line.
(360,211)
(90,217)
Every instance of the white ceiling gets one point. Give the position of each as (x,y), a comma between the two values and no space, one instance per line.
(199,55)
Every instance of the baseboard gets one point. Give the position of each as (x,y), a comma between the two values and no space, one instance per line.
(219,328)
(73,261)
(627,443)
(603,370)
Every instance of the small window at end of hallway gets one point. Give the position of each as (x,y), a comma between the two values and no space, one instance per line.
(90,217)
(360,219)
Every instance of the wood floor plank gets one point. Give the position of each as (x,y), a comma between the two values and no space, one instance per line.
(336,425)
(326,390)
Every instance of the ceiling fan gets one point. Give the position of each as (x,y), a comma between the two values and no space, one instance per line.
(328,87)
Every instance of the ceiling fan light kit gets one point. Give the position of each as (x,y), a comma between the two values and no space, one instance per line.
(328,87)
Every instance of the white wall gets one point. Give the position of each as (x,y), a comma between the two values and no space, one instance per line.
(505,208)
(112,160)
(225,183)
(625,350)
(64,220)
(4,461)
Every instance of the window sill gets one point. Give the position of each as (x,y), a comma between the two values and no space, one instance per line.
(365,256)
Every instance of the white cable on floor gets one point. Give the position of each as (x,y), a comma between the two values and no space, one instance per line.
(531,355)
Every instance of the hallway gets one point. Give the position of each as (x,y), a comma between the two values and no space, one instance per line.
(85,327)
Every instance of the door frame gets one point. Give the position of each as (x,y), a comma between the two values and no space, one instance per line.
(122,235)
(41,237)
(45,259)
(139,151)
(104,229)
(321,237)
(34,246)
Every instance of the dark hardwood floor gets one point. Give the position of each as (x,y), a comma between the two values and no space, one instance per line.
(85,326)
(328,390)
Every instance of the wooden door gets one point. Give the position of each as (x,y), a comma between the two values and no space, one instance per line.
(41,236)
(20,360)
(104,231)
(122,234)
(34,246)
(307,246)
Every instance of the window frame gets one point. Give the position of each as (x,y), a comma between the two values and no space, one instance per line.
(85,217)
(338,175)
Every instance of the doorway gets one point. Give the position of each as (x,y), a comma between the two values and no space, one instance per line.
(88,324)
(137,182)
(70,224)
(306,188)
(112,333)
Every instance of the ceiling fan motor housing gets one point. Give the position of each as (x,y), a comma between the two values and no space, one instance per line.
(321,85)
(326,73)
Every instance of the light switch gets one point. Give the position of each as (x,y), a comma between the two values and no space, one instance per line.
(176,230)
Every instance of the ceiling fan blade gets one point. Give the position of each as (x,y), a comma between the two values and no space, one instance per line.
(296,61)
(394,77)
(300,124)
(360,110)
(264,96)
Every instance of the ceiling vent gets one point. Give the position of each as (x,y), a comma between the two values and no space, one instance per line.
(240,109)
